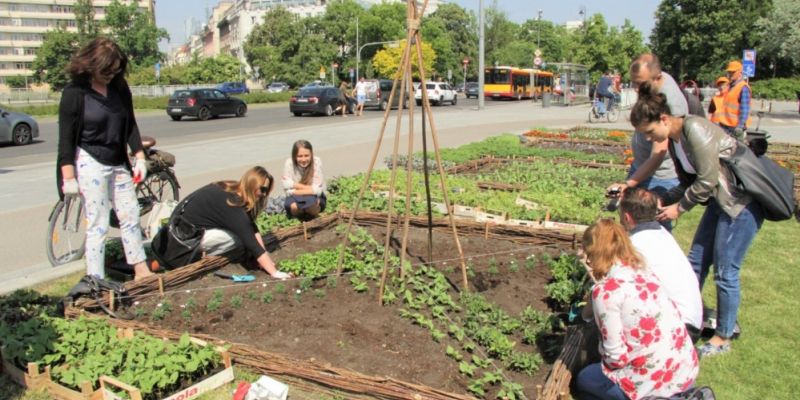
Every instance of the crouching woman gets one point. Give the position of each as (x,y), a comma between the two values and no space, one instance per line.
(227,211)
(304,184)
(644,346)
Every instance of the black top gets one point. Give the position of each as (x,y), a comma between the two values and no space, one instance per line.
(209,209)
(71,122)
(103,119)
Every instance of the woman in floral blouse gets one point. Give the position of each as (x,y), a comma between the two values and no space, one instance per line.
(645,348)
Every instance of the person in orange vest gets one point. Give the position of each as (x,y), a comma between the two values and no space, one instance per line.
(735,115)
(715,107)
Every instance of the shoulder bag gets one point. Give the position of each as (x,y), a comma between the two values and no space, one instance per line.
(771,185)
(178,243)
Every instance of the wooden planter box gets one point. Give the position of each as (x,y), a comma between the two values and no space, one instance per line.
(34,379)
(483,216)
(464,211)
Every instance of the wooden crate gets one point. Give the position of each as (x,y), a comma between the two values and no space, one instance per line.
(30,379)
(564,226)
(464,211)
(522,222)
(484,216)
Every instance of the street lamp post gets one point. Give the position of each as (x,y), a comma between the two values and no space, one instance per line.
(358,53)
(538,28)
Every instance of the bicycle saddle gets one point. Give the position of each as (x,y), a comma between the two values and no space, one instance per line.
(148,142)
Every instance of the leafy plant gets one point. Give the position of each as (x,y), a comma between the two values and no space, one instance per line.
(162,310)
(236,301)
(266,298)
(215,301)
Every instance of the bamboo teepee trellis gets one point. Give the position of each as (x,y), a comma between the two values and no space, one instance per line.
(403,75)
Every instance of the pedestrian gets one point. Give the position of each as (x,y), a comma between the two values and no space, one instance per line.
(735,116)
(715,107)
(344,88)
(226,211)
(96,127)
(651,168)
(731,219)
(360,91)
(304,183)
(644,346)
(663,256)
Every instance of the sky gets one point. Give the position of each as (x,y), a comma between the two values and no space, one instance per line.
(171,14)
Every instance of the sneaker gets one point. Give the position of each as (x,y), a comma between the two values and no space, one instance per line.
(710,350)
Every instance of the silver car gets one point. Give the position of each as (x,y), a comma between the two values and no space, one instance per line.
(277,87)
(17,127)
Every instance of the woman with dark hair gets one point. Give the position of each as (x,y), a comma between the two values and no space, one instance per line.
(644,345)
(96,126)
(227,211)
(731,219)
(303,181)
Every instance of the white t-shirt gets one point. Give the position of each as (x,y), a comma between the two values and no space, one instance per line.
(361,88)
(665,259)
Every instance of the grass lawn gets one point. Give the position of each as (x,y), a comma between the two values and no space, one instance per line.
(765,359)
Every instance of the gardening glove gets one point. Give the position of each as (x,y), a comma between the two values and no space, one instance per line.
(70,187)
(139,170)
(738,134)
(280,275)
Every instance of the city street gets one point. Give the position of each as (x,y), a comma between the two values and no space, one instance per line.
(223,148)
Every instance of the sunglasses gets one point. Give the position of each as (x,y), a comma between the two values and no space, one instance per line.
(265,190)
(110,72)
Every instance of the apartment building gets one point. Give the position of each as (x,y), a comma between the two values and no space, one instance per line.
(23,24)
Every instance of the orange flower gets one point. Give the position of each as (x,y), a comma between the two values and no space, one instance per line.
(629,161)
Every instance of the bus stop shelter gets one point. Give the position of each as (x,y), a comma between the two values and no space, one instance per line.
(573,81)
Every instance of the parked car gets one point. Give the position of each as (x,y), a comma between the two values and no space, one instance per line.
(203,104)
(438,93)
(18,128)
(318,100)
(233,88)
(378,91)
(277,87)
(472,90)
(317,83)
(459,88)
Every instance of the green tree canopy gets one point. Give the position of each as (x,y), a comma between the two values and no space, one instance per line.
(52,57)
(135,32)
(387,61)
(780,38)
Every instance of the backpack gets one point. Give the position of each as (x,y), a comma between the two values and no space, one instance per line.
(95,288)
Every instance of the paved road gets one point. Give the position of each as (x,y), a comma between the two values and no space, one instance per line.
(224,148)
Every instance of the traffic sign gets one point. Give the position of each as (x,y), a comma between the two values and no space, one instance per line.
(321,72)
(537,61)
(537,53)
(335,65)
(749,63)
(352,73)
(465,61)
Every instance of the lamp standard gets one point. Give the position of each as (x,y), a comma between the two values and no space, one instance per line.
(538,28)
(393,43)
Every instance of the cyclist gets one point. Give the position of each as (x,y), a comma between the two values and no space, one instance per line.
(96,126)
(603,92)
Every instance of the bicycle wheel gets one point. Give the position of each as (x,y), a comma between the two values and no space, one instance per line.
(612,115)
(593,116)
(158,186)
(66,234)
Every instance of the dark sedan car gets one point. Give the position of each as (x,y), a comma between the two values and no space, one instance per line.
(317,100)
(204,104)
(471,90)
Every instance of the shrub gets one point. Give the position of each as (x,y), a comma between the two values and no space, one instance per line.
(776,89)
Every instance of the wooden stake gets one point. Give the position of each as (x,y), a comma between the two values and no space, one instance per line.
(305,231)
(539,392)
(111,300)
(161,286)
(486,230)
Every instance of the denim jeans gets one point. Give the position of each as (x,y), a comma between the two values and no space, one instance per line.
(724,241)
(592,384)
(659,187)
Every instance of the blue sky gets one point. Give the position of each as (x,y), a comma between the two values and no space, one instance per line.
(171,14)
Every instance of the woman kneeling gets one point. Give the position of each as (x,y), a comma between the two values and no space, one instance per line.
(304,184)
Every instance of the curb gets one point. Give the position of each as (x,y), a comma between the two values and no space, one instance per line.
(38,274)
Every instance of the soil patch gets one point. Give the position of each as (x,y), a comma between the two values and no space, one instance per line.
(329,322)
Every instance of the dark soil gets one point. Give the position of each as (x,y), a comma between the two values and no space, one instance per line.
(332,324)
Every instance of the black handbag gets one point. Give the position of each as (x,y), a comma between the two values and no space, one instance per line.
(771,185)
(178,243)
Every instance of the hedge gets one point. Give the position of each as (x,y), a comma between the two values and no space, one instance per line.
(776,89)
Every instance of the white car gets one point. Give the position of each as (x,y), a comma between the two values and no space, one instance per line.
(438,93)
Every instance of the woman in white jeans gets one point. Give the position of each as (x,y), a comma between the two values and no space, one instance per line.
(96,127)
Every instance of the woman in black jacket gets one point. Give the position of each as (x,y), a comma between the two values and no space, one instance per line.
(96,126)
(227,211)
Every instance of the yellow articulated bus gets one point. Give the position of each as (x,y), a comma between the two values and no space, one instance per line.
(516,83)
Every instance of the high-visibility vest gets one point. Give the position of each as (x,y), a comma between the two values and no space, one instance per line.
(717,101)
(730,107)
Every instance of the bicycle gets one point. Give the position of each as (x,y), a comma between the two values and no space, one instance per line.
(599,111)
(66,232)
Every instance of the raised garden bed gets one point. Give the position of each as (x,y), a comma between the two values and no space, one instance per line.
(339,322)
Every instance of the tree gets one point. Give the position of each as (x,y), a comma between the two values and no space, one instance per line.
(780,37)
(273,43)
(387,61)
(339,24)
(52,57)
(696,38)
(221,68)
(499,32)
(135,32)
(84,20)
(462,30)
